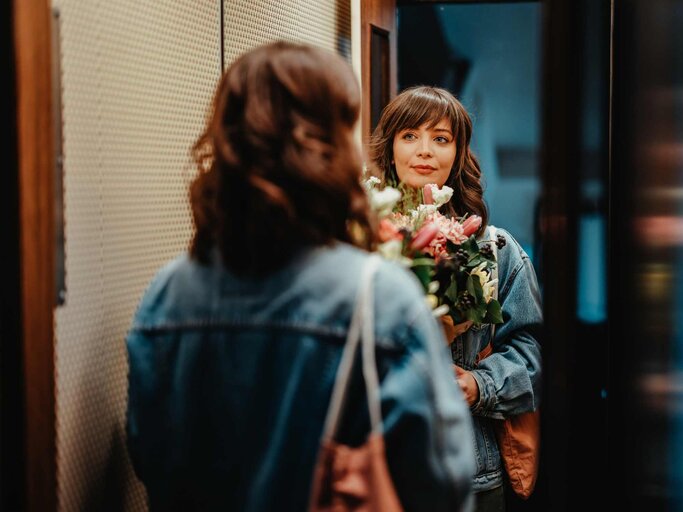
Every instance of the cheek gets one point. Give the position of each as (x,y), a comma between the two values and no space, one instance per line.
(442,177)
(401,158)
(446,161)
(447,157)
(402,172)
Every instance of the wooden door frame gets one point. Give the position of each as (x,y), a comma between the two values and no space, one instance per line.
(382,15)
(34,128)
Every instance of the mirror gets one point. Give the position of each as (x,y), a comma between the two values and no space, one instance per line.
(489,56)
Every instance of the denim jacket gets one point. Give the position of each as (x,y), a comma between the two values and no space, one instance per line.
(230,380)
(509,379)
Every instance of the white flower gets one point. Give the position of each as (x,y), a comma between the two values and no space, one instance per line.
(488,285)
(442,195)
(484,278)
(383,201)
(441,310)
(422,212)
(480,270)
(391,250)
(432,301)
(489,288)
(371,182)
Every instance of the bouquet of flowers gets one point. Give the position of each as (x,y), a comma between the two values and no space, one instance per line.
(442,252)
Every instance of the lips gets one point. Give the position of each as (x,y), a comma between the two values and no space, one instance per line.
(424,169)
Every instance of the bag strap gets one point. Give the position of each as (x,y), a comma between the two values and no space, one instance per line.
(486,351)
(361,329)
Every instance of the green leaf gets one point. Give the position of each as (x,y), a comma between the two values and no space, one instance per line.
(477,313)
(470,285)
(451,247)
(494,313)
(423,262)
(424,274)
(474,261)
(474,288)
(471,246)
(452,290)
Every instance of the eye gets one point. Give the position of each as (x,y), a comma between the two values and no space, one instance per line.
(409,136)
(442,140)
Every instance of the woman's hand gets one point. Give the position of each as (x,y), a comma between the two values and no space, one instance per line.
(468,385)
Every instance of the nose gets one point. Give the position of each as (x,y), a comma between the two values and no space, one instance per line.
(424,149)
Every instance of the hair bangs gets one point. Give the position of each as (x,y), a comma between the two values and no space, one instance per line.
(426,107)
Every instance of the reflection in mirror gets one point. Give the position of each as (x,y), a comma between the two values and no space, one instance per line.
(488,55)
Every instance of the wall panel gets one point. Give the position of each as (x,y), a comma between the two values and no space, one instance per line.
(137,78)
(324,23)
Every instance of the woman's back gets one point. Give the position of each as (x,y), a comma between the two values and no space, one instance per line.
(230,380)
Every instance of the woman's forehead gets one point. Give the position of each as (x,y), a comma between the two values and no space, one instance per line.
(433,123)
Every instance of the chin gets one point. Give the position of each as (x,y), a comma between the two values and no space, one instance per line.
(420,181)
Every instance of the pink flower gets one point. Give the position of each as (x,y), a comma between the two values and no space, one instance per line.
(471,224)
(438,247)
(388,231)
(424,236)
(427,194)
(451,229)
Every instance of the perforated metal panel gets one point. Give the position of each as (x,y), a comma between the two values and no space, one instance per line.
(138,76)
(324,23)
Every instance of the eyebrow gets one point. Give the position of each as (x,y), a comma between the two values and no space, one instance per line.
(432,129)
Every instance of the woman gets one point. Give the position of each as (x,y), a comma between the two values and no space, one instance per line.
(235,346)
(423,137)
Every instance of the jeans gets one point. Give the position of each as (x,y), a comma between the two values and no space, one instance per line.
(490,501)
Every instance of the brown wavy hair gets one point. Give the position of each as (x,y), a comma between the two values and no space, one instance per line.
(411,109)
(279,169)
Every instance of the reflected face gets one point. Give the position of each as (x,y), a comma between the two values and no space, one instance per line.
(424,155)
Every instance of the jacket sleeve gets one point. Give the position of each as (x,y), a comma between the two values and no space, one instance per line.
(428,430)
(509,378)
(147,419)
(139,359)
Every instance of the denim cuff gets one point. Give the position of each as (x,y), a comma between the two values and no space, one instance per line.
(487,395)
